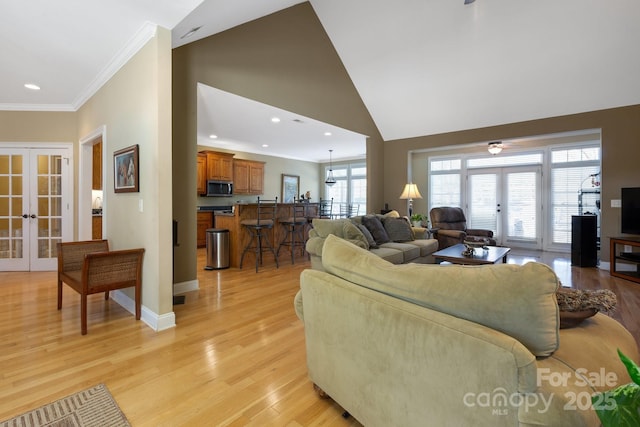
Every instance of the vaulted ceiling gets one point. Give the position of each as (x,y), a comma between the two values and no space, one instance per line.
(422,67)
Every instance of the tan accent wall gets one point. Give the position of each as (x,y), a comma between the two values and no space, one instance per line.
(285,60)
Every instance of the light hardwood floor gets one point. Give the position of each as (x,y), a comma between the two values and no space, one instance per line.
(237,356)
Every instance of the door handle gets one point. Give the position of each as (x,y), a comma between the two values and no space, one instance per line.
(33,215)
(25,216)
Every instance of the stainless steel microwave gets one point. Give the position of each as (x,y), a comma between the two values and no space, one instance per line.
(219,188)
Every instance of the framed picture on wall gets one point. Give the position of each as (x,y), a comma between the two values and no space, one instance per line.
(290,188)
(125,170)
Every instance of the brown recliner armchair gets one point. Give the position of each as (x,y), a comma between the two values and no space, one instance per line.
(450,227)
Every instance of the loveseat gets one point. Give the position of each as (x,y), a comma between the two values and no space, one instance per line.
(417,345)
(388,236)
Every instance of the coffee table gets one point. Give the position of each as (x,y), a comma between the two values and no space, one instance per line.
(490,255)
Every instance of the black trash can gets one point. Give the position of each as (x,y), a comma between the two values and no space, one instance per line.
(217,248)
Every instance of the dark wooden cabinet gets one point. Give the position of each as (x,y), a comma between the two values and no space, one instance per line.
(625,262)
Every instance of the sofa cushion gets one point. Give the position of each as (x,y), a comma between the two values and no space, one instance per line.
(367,234)
(374,225)
(351,233)
(427,246)
(516,300)
(398,229)
(391,255)
(409,251)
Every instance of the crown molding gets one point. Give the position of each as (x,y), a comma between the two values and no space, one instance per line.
(137,42)
(37,107)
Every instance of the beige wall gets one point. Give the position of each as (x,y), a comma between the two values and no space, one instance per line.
(30,126)
(620,152)
(135,107)
(285,60)
(42,127)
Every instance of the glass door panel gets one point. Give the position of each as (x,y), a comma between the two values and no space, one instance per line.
(483,201)
(507,201)
(48,200)
(13,192)
(522,207)
(33,207)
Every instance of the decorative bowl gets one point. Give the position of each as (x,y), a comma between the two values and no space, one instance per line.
(472,243)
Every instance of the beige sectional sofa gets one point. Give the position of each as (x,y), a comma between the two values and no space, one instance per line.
(400,242)
(416,345)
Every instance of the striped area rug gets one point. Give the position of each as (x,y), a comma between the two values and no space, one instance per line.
(94,407)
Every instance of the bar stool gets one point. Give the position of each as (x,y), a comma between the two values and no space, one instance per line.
(323,211)
(348,210)
(295,226)
(325,208)
(259,241)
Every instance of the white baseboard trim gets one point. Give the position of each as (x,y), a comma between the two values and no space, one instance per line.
(604,266)
(183,287)
(153,320)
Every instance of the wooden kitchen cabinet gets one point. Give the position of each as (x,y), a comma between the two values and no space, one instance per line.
(204,222)
(202,174)
(96,227)
(97,167)
(248,177)
(219,166)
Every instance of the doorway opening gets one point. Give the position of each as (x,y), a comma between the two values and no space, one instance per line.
(91,186)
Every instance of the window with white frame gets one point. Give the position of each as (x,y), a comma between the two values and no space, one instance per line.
(570,185)
(350,187)
(572,170)
(445,182)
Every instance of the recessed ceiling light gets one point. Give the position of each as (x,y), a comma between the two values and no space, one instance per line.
(212,136)
(32,86)
(265,145)
(275,120)
(327,134)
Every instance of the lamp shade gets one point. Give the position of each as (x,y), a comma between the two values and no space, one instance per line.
(410,192)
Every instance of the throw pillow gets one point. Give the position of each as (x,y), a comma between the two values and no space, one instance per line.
(352,234)
(375,227)
(398,229)
(368,236)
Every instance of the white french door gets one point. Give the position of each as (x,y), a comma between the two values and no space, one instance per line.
(507,201)
(34,207)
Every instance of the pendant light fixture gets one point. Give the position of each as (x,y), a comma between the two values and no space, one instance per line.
(330,179)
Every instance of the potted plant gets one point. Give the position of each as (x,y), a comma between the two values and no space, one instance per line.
(620,407)
(417,220)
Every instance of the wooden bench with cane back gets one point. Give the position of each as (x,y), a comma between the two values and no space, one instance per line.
(88,267)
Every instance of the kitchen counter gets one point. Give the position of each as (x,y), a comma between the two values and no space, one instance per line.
(238,237)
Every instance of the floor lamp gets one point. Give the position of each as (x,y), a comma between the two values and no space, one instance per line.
(410,192)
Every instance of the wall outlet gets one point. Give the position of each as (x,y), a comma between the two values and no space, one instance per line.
(616,203)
